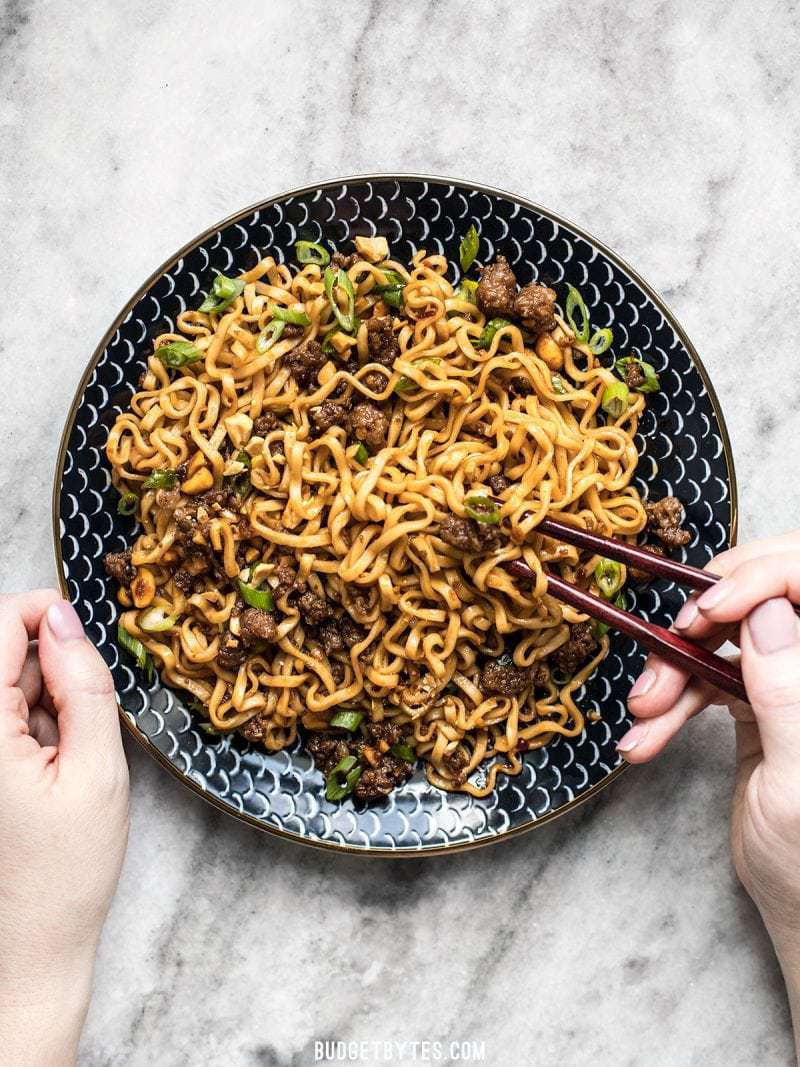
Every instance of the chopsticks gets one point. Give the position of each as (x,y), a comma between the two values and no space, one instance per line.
(670,646)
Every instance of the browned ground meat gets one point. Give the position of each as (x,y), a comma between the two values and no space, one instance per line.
(182,470)
(455,762)
(255,729)
(314,609)
(519,386)
(342,262)
(497,289)
(369,424)
(168,499)
(634,375)
(119,566)
(256,625)
(328,751)
(469,535)
(375,380)
(504,679)
(535,305)
(339,634)
(498,483)
(328,414)
(231,655)
(220,500)
(383,346)
(541,675)
(264,423)
(184,581)
(636,575)
(382,770)
(292,329)
(377,782)
(664,518)
(578,647)
(286,574)
(305,362)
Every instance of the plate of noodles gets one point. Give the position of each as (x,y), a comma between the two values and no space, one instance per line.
(295,466)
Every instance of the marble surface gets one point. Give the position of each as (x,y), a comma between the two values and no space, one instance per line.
(617,935)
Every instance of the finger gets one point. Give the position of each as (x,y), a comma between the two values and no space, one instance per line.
(750,584)
(770,641)
(30,677)
(43,727)
(728,561)
(647,737)
(20,615)
(80,685)
(661,683)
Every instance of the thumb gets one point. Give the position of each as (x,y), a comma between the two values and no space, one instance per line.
(770,640)
(80,685)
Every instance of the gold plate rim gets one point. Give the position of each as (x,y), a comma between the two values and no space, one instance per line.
(148,746)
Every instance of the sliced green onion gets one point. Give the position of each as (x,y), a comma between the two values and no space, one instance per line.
(222,294)
(393,279)
(575,303)
(403,751)
(297,318)
(558,384)
(361,454)
(608,576)
(482,509)
(393,295)
(338,279)
(468,291)
(163,479)
(157,620)
(127,504)
(326,340)
(489,330)
(257,598)
(311,252)
(650,384)
(404,383)
(347,720)
(240,483)
(601,628)
(615,399)
(178,353)
(135,647)
(468,249)
(209,728)
(560,678)
(269,335)
(600,341)
(341,780)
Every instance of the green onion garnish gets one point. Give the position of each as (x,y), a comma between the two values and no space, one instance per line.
(468,249)
(347,720)
(650,384)
(575,303)
(127,504)
(297,318)
(403,751)
(156,620)
(600,341)
(257,598)
(326,340)
(608,576)
(178,353)
(615,399)
(558,384)
(222,294)
(269,335)
(393,295)
(163,479)
(341,781)
(135,647)
(468,291)
(361,455)
(311,252)
(601,628)
(240,483)
(560,678)
(338,279)
(404,383)
(482,509)
(489,330)
(209,728)
(393,279)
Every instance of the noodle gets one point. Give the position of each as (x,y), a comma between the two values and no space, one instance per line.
(361,533)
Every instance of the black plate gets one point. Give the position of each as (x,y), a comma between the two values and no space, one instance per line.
(684,450)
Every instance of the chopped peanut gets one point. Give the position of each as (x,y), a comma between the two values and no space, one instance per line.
(370,755)
(327,371)
(342,341)
(239,428)
(548,350)
(143,587)
(199,482)
(197,461)
(123,596)
(383,745)
(373,249)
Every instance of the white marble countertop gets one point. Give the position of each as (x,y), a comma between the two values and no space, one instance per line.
(617,935)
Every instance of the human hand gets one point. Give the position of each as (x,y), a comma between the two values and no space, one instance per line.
(63,823)
(754,600)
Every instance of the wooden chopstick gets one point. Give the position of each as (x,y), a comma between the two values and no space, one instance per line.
(671,646)
(630,555)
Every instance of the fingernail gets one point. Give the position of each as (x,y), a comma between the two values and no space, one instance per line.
(773,626)
(634,736)
(643,684)
(686,616)
(64,622)
(715,595)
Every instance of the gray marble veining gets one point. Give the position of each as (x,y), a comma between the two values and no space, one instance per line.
(617,935)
